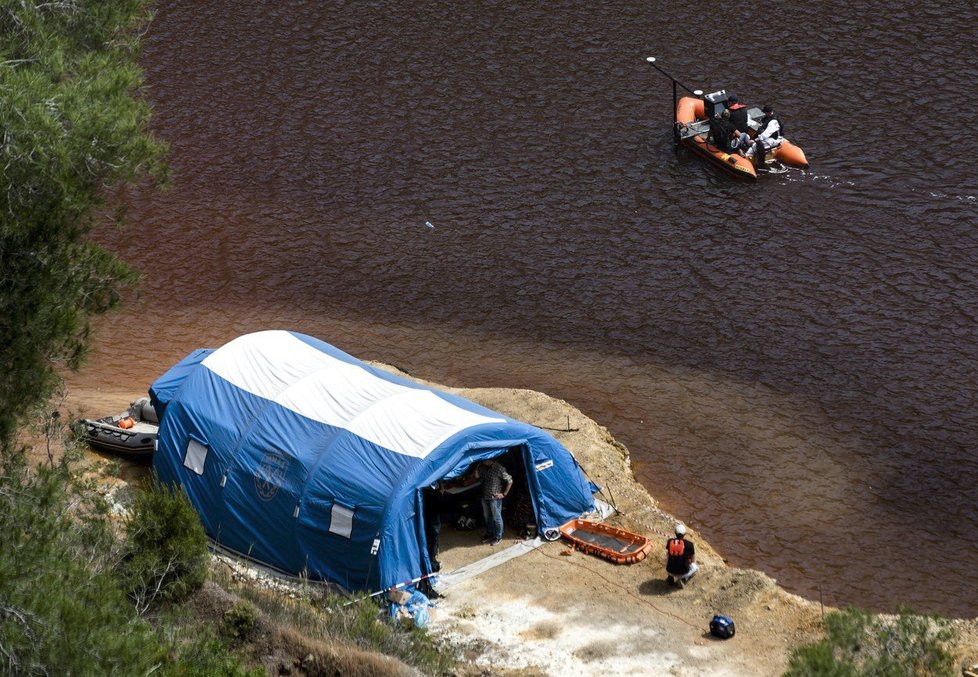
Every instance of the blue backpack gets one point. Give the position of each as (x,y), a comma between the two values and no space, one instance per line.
(722,627)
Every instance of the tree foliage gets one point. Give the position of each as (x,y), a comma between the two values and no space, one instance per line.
(72,127)
(166,547)
(65,609)
(858,644)
(61,608)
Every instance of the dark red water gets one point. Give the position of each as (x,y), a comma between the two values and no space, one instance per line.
(792,364)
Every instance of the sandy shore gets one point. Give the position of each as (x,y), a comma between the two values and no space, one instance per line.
(555,611)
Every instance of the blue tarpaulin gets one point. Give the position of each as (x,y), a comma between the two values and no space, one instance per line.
(312,462)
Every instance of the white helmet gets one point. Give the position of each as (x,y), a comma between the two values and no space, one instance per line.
(680,529)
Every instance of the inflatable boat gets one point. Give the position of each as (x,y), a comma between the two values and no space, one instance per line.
(692,131)
(131,433)
(611,543)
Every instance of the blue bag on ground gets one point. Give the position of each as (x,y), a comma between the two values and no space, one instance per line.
(417,606)
(414,608)
(722,627)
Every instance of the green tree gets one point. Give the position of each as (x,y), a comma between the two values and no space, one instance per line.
(62,610)
(858,644)
(166,547)
(73,127)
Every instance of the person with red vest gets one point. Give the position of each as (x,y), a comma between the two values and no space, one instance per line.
(738,113)
(739,119)
(680,558)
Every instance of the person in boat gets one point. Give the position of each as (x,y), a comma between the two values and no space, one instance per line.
(496,483)
(741,122)
(738,115)
(768,134)
(725,136)
(680,558)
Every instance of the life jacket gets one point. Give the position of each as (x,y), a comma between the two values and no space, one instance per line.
(676,547)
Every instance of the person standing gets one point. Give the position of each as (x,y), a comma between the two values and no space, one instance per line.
(496,483)
(432,522)
(720,131)
(432,507)
(680,558)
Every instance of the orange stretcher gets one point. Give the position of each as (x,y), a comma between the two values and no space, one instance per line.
(613,544)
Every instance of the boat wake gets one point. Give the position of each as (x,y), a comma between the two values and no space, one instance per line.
(966,199)
(774,167)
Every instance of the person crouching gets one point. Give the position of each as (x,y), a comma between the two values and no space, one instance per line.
(680,558)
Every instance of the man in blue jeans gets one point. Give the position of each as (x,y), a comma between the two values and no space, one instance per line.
(496,483)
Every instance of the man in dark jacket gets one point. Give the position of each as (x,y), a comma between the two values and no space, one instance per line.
(738,114)
(725,135)
(680,558)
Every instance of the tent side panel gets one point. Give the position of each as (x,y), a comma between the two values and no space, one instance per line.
(166,386)
(343,506)
(209,414)
(560,488)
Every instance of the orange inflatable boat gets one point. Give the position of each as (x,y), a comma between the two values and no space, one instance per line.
(692,131)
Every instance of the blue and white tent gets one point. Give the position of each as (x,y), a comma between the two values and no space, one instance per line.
(308,460)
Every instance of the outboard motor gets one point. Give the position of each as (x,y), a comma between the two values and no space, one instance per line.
(142,410)
(714,103)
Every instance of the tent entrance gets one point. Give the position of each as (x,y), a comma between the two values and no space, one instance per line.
(453,515)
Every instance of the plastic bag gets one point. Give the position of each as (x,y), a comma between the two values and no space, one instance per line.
(415,609)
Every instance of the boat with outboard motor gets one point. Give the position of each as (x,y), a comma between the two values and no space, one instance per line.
(692,130)
(131,433)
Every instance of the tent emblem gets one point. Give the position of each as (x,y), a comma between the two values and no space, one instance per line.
(269,475)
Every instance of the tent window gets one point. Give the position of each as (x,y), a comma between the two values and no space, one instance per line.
(196,455)
(341,521)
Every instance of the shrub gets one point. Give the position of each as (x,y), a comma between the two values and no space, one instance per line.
(240,620)
(207,656)
(166,547)
(859,644)
(61,609)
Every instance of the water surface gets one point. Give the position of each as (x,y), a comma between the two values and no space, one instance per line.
(791,363)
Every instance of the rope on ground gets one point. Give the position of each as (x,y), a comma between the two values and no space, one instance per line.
(635,517)
(660,533)
(611,498)
(621,587)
